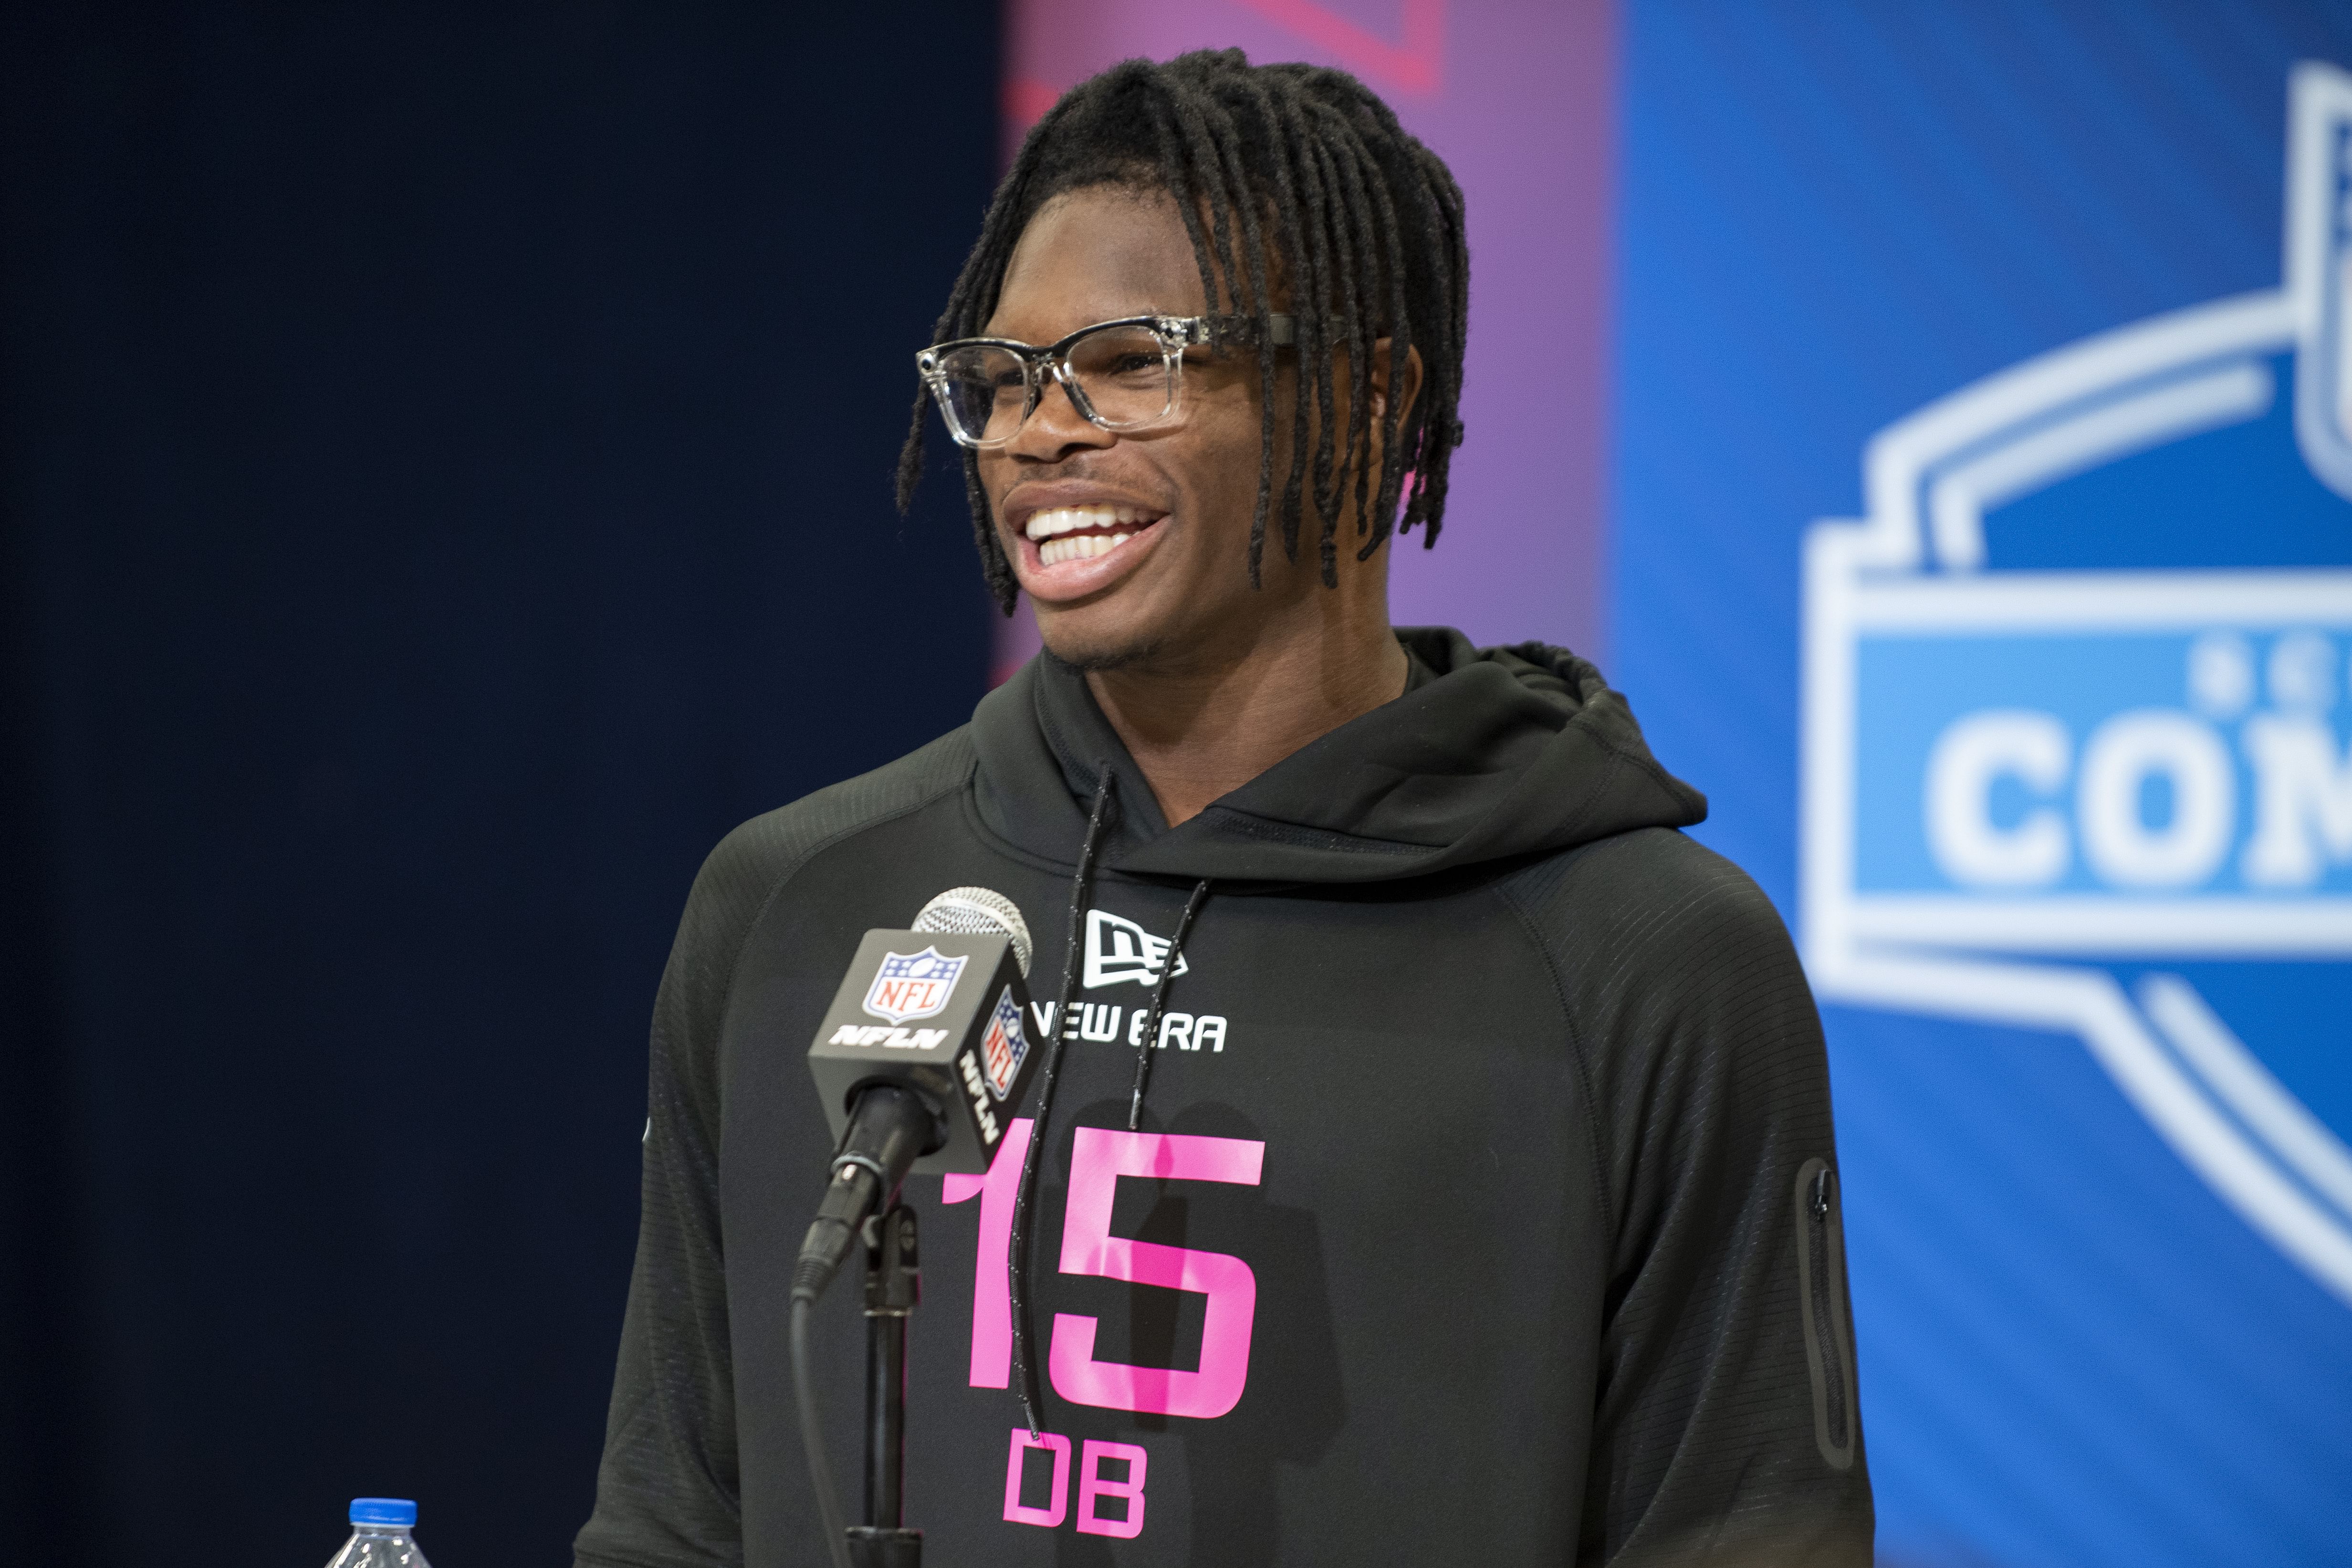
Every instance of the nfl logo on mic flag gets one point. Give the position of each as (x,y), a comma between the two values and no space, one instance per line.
(970,1062)
(913,984)
(1004,1047)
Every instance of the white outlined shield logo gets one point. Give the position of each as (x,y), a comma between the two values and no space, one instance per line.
(913,984)
(2069,798)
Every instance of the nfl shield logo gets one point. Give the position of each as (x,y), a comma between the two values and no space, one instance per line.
(913,984)
(1004,1047)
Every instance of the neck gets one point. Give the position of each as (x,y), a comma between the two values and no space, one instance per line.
(1202,726)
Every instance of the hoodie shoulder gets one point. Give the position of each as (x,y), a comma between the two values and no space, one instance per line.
(750,863)
(1676,977)
(773,844)
(1649,887)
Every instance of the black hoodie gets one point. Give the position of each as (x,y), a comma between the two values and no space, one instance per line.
(1484,1207)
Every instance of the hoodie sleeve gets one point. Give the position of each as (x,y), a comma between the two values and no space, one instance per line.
(1725,1429)
(667,1493)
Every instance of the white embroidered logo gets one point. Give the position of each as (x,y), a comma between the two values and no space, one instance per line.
(1121,949)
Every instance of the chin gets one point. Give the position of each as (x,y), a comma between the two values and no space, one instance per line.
(1098,636)
(1100,654)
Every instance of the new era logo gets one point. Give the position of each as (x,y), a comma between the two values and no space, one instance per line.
(1121,949)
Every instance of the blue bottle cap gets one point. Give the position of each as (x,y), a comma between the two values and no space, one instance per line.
(396,1510)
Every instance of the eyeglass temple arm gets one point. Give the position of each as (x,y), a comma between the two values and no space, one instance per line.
(1196,330)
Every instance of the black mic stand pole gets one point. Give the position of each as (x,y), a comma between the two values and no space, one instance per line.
(894,1284)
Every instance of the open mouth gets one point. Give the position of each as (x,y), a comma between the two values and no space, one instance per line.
(1080,532)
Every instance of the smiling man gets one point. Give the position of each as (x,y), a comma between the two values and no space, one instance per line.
(1435,1161)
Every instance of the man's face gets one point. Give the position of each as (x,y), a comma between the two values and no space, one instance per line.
(1176,500)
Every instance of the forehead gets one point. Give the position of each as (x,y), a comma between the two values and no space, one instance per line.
(1096,255)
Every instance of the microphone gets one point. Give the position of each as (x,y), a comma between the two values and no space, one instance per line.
(919,1062)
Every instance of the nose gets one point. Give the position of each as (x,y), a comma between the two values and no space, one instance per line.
(1056,426)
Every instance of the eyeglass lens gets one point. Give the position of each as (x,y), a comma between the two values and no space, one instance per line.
(1124,375)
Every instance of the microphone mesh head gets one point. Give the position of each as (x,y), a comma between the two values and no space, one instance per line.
(978,911)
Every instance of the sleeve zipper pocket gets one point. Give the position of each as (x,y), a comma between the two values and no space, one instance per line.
(1822,1294)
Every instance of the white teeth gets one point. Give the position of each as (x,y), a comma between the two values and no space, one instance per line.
(1084,547)
(1069,519)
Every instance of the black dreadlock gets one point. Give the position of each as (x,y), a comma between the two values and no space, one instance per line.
(1367,228)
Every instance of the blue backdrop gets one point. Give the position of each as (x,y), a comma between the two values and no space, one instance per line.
(2088,1038)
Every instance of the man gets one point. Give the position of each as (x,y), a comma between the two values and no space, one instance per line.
(1441,1166)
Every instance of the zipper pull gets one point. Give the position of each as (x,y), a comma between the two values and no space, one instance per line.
(1821,1203)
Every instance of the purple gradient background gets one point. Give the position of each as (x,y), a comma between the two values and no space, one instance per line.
(1519,97)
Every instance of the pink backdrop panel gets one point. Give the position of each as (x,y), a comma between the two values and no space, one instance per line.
(1519,97)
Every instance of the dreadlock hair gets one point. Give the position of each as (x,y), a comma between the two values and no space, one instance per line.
(1366,229)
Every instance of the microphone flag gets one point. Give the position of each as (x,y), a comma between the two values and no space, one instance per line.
(943,1014)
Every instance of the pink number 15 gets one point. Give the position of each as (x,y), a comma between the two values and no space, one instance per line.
(1100,1157)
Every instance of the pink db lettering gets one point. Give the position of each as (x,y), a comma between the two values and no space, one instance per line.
(1093,1487)
(1050,1516)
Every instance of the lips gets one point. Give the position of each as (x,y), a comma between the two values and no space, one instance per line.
(1072,551)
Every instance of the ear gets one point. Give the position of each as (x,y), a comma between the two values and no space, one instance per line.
(1382,350)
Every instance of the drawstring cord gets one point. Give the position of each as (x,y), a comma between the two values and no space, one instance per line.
(1024,1370)
(1151,1036)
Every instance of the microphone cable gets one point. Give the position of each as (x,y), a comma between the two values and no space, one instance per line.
(828,1500)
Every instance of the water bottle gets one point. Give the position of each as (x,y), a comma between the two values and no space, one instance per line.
(379,1538)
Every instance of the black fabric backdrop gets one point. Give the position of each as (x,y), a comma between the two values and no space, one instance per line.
(444,456)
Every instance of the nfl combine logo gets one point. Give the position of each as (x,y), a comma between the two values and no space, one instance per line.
(1004,1047)
(2114,796)
(913,984)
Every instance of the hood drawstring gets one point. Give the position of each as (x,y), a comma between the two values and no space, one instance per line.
(1151,1036)
(1025,1368)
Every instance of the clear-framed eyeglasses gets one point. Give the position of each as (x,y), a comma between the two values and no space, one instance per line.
(1124,375)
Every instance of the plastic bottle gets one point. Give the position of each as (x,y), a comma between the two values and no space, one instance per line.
(379,1538)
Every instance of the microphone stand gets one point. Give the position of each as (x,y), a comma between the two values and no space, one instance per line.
(894,1284)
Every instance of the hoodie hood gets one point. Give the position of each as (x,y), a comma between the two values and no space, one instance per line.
(1491,753)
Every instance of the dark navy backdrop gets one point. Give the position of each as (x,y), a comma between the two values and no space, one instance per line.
(443,466)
